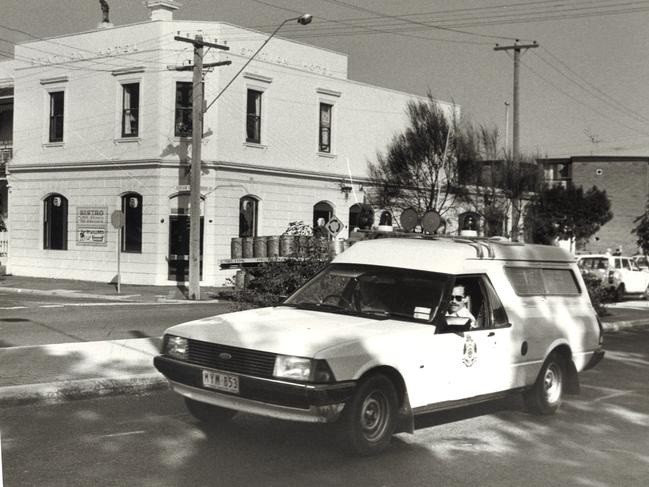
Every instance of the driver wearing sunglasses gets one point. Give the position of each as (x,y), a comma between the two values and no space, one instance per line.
(458,305)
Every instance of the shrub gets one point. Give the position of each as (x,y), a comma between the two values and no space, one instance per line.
(598,295)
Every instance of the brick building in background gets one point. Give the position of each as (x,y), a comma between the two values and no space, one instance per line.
(626,181)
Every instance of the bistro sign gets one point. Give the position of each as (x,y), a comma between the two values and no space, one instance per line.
(92,222)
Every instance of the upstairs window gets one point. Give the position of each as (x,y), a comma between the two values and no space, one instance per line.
(130,109)
(253,117)
(56,116)
(324,140)
(183,120)
(55,222)
(132,231)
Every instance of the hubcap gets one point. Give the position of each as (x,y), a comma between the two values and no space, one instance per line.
(374,417)
(552,383)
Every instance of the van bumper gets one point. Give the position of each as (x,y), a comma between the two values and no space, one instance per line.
(266,397)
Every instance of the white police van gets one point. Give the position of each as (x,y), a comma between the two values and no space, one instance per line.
(367,343)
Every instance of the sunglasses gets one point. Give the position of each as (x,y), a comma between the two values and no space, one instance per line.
(459,299)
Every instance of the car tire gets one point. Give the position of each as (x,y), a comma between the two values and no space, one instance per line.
(369,418)
(208,413)
(544,398)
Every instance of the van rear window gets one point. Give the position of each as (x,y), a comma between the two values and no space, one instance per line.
(528,281)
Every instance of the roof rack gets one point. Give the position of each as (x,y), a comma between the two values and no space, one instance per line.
(480,244)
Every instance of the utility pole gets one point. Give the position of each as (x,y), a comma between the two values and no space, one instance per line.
(517,54)
(507,127)
(516,203)
(195,178)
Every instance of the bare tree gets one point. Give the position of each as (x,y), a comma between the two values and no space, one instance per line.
(495,184)
(419,168)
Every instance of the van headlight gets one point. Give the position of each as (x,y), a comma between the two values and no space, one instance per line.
(302,369)
(176,347)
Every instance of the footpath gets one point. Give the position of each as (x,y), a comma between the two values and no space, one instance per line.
(67,371)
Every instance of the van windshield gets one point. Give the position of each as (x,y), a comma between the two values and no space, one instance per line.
(379,292)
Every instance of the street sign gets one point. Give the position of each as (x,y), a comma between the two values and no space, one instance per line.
(334,226)
(117,219)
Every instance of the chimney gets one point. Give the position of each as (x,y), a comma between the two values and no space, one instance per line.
(162,9)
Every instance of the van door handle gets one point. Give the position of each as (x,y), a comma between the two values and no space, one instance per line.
(491,334)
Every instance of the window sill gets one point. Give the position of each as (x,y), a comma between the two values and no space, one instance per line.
(127,140)
(53,144)
(255,145)
(327,155)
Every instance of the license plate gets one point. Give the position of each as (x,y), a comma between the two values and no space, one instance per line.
(220,381)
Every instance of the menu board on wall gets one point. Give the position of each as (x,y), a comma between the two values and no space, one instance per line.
(92,223)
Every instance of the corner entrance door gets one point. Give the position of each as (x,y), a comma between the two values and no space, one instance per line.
(179,248)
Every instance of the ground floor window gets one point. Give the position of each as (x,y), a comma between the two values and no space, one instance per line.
(248,214)
(55,222)
(132,231)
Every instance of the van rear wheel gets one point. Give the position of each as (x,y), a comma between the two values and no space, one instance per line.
(547,393)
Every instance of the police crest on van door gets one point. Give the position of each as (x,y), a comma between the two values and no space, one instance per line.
(470,352)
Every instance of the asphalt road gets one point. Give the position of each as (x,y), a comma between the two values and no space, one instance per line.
(599,438)
(37,320)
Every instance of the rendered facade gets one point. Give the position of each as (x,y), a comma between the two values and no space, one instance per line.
(102,122)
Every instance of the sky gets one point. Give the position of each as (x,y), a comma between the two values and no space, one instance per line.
(582,91)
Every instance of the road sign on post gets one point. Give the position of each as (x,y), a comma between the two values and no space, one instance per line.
(334,226)
(117,220)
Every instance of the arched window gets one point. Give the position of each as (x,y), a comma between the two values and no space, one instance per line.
(322,210)
(132,231)
(55,222)
(354,217)
(248,216)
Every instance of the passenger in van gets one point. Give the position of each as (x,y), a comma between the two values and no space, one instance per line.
(458,305)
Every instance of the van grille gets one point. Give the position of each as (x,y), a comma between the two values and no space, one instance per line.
(241,361)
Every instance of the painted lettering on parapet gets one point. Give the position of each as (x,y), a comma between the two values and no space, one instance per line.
(86,55)
(272,58)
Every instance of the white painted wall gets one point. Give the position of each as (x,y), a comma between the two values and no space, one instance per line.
(94,166)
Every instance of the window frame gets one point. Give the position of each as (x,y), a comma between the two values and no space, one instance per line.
(53,118)
(183,109)
(255,215)
(257,115)
(129,111)
(325,148)
(131,241)
(48,222)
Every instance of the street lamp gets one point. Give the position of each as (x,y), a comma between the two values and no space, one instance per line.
(304,19)
(195,181)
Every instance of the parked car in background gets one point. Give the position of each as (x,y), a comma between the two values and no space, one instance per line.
(617,274)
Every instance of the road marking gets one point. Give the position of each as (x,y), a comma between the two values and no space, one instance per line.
(127,433)
(161,303)
(0,458)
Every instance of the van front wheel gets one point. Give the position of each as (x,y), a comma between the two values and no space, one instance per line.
(546,394)
(369,419)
